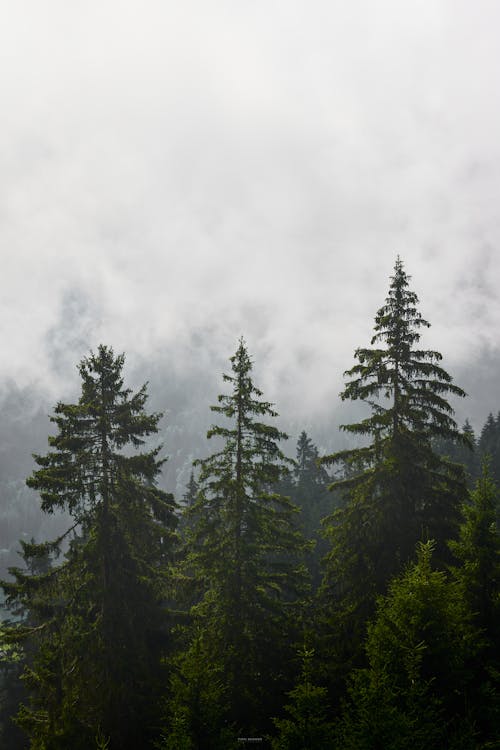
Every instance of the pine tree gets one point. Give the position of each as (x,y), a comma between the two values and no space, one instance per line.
(398,488)
(311,485)
(187,519)
(309,491)
(416,690)
(489,445)
(100,627)
(465,452)
(307,726)
(189,496)
(244,550)
(477,550)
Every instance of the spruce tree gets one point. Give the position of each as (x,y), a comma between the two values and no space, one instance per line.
(244,550)
(477,552)
(489,445)
(306,727)
(309,491)
(465,452)
(398,488)
(416,690)
(99,627)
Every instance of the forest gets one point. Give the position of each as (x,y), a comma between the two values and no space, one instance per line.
(347,601)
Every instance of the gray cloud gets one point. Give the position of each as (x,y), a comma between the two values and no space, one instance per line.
(175,175)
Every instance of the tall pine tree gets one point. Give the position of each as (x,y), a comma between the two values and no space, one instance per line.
(98,623)
(244,550)
(477,551)
(398,488)
(415,691)
(309,491)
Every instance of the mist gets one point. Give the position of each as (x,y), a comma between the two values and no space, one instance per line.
(173,178)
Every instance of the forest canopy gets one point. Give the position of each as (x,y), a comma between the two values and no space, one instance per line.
(347,601)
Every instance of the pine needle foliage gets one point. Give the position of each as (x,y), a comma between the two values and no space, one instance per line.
(398,489)
(97,624)
(406,489)
(415,691)
(245,548)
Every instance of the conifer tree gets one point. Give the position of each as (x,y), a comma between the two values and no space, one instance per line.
(244,550)
(311,484)
(189,496)
(489,445)
(306,727)
(415,691)
(398,488)
(309,491)
(188,500)
(99,628)
(411,488)
(465,452)
(477,551)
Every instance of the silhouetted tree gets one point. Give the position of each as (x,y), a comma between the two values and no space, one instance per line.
(398,488)
(100,628)
(244,549)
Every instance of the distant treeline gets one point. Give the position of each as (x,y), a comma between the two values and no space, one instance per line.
(348,601)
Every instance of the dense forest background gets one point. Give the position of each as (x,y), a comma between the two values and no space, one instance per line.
(343,592)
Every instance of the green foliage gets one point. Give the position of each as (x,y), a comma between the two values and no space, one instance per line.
(197,708)
(489,445)
(406,389)
(308,727)
(11,692)
(95,623)
(477,551)
(102,742)
(398,489)
(309,491)
(465,452)
(243,549)
(415,691)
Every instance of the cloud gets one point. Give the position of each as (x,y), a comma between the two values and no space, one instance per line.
(173,174)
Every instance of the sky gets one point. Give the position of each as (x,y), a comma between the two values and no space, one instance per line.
(176,175)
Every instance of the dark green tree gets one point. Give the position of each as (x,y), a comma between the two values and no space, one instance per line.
(309,491)
(415,692)
(306,727)
(464,452)
(489,445)
(245,548)
(99,627)
(477,551)
(189,496)
(398,488)
(196,716)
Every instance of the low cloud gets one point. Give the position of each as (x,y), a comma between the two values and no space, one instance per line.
(172,178)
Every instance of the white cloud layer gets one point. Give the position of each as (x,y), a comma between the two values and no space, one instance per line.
(173,175)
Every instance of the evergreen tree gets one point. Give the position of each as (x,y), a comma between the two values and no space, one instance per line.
(309,491)
(464,452)
(488,436)
(477,551)
(415,692)
(198,704)
(99,624)
(489,445)
(244,549)
(11,692)
(13,654)
(189,496)
(188,500)
(307,727)
(398,489)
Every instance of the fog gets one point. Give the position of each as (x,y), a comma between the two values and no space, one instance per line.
(173,176)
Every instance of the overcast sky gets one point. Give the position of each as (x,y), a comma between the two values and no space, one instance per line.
(176,174)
